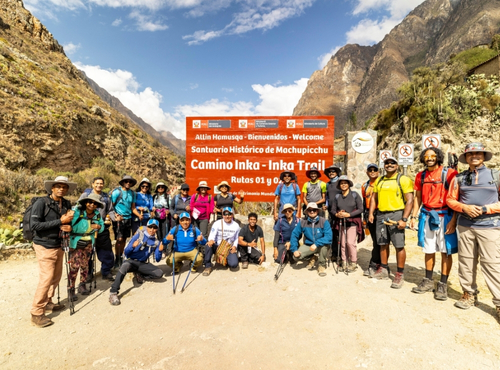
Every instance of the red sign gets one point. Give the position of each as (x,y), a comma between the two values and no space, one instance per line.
(250,153)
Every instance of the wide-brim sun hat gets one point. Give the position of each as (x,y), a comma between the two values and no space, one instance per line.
(145,180)
(475,147)
(344,178)
(327,170)
(292,174)
(93,197)
(287,206)
(59,180)
(312,169)
(224,183)
(160,184)
(127,177)
(203,184)
(312,205)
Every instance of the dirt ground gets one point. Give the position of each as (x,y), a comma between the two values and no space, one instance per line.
(244,320)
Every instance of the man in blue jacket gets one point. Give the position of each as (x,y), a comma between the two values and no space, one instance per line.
(138,250)
(317,235)
(186,238)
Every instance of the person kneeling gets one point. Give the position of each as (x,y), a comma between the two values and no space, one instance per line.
(318,236)
(186,238)
(224,231)
(138,250)
(249,241)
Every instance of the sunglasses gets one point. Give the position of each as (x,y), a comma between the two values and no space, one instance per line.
(127,182)
(287,176)
(433,156)
(152,227)
(227,214)
(185,190)
(92,203)
(288,210)
(144,187)
(390,163)
(372,170)
(312,210)
(161,187)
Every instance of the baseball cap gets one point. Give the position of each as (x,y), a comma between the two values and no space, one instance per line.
(154,222)
(227,209)
(184,215)
(374,165)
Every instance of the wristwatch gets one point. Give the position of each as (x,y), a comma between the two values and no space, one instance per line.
(404,219)
(484,209)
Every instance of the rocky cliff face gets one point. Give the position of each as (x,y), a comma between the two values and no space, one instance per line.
(428,35)
(50,117)
(166,138)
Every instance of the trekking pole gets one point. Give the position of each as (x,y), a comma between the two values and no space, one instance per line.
(281,266)
(173,271)
(192,266)
(346,270)
(58,297)
(338,246)
(65,246)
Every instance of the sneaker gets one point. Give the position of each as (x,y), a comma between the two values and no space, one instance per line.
(82,289)
(113,299)
(41,321)
(398,281)
(441,292)
(244,265)
(426,285)
(353,266)
(467,300)
(321,271)
(109,277)
(137,280)
(381,274)
(52,307)
(312,262)
(207,271)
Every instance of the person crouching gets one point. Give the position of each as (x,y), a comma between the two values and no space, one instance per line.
(137,252)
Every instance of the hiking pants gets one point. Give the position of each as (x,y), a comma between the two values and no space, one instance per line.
(232,258)
(50,264)
(306,253)
(349,251)
(203,226)
(185,256)
(375,260)
(145,269)
(281,250)
(252,257)
(79,260)
(104,251)
(483,246)
(335,235)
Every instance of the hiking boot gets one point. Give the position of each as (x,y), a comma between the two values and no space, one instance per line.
(312,262)
(233,268)
(321,270)
(52,307)
(72,295)
(371,270)
(108,277)
(207,271)
(498,312)
(426,285)
(41,321)
(467,300)
(381,274)
(82,289)
(244,265)
(113,299)
(137,280)
(441,292)
(353,266)
(398,281)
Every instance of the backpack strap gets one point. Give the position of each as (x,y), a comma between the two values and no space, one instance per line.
(398,179)
(119,196)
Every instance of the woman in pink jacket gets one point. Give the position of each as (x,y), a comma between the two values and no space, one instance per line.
(202,206)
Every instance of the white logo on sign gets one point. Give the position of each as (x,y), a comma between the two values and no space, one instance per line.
(362,142)
(290,123)
(243,123)
(196,123)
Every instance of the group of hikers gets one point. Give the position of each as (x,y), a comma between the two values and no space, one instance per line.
(202,230)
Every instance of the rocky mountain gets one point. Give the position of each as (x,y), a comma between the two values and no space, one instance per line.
(165,137)
(359,81)
(51,118)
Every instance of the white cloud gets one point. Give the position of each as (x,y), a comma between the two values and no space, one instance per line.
(324,58)
(71,48)
(256,14)
(274,100)
(117,22)
(193,86)
(368,31)
(397,8)
(146,22)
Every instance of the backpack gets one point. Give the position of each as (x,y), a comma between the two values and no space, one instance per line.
(28,234)
(295,221)
(231,196)
(143,243)
(209,198)
(280,188)
(444,175)
(309,183)
(398,179)
(119,196)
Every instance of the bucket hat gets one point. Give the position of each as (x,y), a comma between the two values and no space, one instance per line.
(287,206)
(313,169)
(94,197)
(203,184)
(224,183)
(344,178)
(332,168)
(475,147)
(312,205)
(160,184)
(59,180)
(127,177)
(144,180)
(282,175)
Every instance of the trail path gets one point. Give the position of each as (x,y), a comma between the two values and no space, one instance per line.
(244,320)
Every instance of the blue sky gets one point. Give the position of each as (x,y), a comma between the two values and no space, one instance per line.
(168,59)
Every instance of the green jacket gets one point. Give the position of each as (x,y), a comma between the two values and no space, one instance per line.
(80,225)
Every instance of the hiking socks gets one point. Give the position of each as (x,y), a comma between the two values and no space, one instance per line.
(386,266)
(428,274)
(401,270)
(444,278)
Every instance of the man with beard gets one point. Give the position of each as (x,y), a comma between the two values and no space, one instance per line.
(250,237)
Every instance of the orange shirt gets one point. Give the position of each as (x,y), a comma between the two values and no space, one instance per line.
(433,190)
(368,192)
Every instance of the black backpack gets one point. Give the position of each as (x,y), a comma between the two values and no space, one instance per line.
(28,234)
